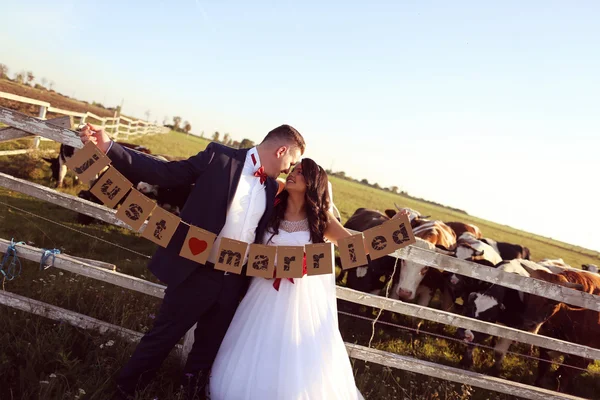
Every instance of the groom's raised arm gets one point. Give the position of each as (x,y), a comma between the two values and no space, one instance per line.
(140,167)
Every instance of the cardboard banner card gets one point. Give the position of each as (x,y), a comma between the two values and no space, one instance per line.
(319,258)
(399,233)
(261,261)
(378,242)
(352,251)
(290,262)
(111,187)
(135,209)
(231,256)
(88,162)
(197,245)
(161,227)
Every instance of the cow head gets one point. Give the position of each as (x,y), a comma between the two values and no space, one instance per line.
(147,188)
(413,215)
(412,273)
(538,309)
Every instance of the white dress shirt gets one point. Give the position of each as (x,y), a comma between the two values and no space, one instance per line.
(247,207)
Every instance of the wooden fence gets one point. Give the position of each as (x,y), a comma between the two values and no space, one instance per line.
(118,127)
(465,268)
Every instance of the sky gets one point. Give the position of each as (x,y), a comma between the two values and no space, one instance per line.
(491,107)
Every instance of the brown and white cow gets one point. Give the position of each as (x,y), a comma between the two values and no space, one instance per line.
(460,227)
(434,235)
(562,321)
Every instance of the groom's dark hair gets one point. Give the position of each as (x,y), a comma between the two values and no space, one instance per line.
(288,134)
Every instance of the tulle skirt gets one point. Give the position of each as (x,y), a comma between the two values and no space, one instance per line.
(285,345)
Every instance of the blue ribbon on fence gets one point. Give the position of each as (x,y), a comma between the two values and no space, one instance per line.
(46,256)
(13,268)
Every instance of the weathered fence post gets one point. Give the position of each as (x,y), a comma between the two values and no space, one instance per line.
(41,115)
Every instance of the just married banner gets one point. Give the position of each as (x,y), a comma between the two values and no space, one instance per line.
(112,188)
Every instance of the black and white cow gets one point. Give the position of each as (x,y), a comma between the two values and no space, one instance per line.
(496,304)
(468,248)
(509,251)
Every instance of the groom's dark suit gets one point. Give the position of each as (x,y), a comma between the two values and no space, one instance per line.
(195,293)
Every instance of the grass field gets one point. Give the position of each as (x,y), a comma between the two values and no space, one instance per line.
(41,359)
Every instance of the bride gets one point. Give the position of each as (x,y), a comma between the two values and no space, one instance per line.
(284,342)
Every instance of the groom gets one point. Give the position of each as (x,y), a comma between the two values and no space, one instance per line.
(233,197)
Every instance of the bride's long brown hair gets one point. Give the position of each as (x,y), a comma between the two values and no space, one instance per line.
(316,202)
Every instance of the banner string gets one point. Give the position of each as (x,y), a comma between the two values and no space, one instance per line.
(76,230)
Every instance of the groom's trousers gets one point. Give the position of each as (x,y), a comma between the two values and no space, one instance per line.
(207,297)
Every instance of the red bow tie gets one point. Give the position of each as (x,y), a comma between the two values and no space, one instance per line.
(261,174)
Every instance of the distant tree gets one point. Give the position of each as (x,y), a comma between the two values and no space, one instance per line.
(235,144)
(165,120)
(340,174)
(187,127)
(364,181)
(3,71)
(230,142)
(376,186)
(147,114)
(394,189)
(226,138)
(246,144)
(44,82)
(176,122)
(51,85)
(19,77)
(30,78)
(216,136)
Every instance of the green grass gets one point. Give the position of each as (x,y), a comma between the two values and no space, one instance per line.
(33,350)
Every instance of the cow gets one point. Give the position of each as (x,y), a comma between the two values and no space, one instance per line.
(590,268)
(573,324)
(509,251)
(58,165)
(436,236)
(469,248)
(496,304)
(556,266)
(460,227)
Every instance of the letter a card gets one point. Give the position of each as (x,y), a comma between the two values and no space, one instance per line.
(198,244)
(319,258)
(161,227)
(290,262)
(261,261)
(135,209)
(231,256)
(88,162)
(352,251)
(111,188)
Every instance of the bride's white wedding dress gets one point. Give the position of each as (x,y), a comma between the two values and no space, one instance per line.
(285,344)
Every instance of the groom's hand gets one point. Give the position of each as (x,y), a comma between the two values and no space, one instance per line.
(90,133)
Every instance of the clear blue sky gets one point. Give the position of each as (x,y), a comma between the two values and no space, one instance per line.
(493,107)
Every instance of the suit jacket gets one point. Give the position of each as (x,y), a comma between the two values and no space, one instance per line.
(216,173)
